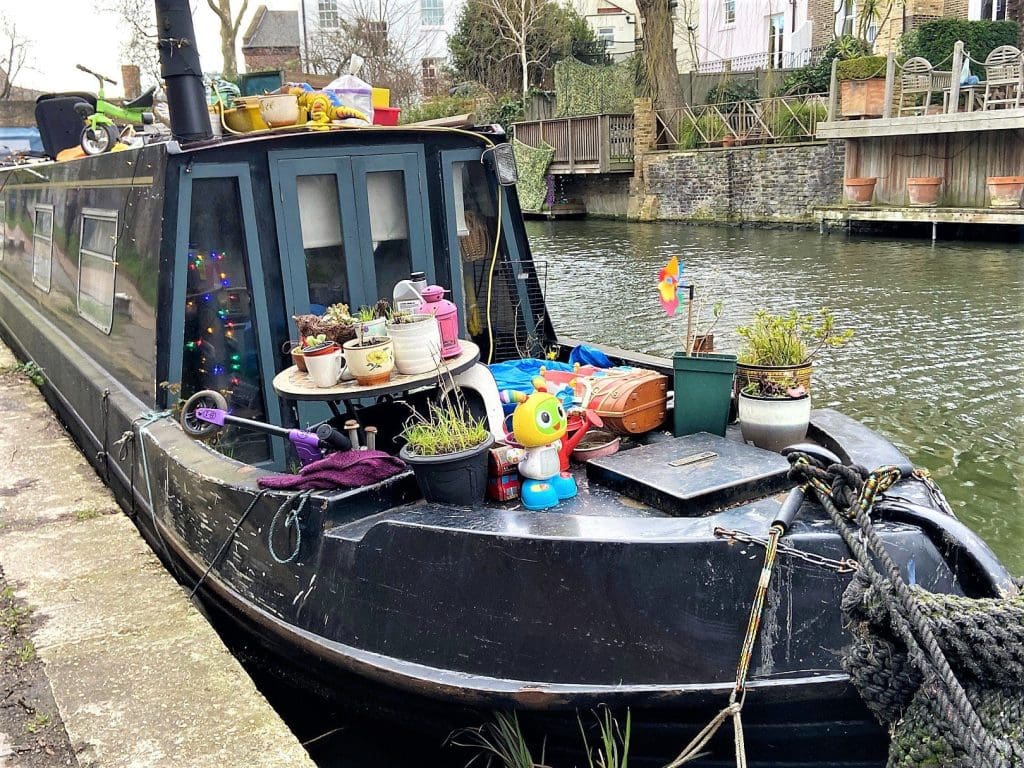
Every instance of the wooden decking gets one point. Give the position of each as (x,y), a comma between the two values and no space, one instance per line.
(918,125)
(589,144)
(847,215)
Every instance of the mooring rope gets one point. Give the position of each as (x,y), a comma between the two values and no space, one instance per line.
(859,490)
(292,520)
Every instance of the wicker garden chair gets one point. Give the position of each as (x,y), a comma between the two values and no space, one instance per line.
(1004,78)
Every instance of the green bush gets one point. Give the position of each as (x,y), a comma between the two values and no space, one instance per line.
(436,108)
(815,78)
(861,68)
(730,90)
(791,123)
(934,40)
(708,127)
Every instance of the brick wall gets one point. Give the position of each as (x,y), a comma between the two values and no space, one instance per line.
(260,59)
(771,184)
(822,16)
(956,8)
(18,114)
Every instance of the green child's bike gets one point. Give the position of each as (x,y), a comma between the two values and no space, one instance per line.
(100,133)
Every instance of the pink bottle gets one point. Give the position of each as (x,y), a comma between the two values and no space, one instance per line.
(447,315)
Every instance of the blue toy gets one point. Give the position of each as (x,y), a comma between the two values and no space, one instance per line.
(539,423)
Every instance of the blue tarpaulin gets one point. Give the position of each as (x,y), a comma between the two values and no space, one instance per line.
(20,140)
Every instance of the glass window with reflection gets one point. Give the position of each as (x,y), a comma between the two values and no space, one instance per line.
(220,347)
(42,246)
(96,267)
(322,241)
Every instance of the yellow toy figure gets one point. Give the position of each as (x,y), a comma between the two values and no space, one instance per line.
(539,424)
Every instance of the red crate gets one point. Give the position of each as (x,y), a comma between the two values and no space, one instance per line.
(386,115)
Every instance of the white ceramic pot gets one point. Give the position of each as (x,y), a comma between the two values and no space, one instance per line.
(279,109)
(370,361)
(417,344)
(774,423)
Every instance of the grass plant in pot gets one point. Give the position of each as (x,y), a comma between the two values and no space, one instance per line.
(447,450)
(774,414)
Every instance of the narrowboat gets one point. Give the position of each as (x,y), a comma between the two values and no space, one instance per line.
(134,279)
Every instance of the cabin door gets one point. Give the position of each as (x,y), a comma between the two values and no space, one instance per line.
(350,226)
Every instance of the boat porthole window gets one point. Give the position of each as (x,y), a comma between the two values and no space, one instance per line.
(3,228)
(42,246)
(96,267)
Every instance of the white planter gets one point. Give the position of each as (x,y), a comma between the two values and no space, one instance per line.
(370,361)
(417,345)
(773,423)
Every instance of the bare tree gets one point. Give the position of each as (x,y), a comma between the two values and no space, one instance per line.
(516,21)
(140,47)
(14,50)
(229,26)
(386,34)
(659,77)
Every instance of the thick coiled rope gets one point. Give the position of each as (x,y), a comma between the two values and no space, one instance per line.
(907,643)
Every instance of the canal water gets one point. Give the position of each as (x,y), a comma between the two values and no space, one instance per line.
(936,363)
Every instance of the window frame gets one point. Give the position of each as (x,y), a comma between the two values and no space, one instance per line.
(36,236)
(432,6)
(728,12)
(97,214)
(327,16)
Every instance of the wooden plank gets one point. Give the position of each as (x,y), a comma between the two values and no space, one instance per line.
(922,125)
(924,215)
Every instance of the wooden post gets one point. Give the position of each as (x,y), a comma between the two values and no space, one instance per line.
(833,94)
(954,81)
(890,83)
(603,143)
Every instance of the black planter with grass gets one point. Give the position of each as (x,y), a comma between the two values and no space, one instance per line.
(459,479)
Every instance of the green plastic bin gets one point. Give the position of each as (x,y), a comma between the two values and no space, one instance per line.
(703,388)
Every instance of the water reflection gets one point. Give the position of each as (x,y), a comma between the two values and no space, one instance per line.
(935,364)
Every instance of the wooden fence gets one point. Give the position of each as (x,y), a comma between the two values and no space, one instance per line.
(590,144)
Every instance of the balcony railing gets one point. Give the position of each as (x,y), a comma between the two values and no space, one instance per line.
(763,121)
(590,144)
(764,60)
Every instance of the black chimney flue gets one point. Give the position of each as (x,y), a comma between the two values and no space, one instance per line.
(183,77)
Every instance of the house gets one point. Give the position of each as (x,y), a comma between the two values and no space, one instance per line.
(272,40)
(617,24)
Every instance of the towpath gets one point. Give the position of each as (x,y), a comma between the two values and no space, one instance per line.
(139,679)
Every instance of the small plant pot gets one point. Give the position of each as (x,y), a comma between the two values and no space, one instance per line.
(294,348)
(376,327)
(774,423)
(371,360)
(459,479)
(859,191)
(703,386)
(417,344)
(1005,191)
(923,191)
(704,342)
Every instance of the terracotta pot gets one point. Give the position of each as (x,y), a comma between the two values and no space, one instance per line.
(728,141)
(862,98)
(1005,191)
(703,342)
(923,190)
(859,191)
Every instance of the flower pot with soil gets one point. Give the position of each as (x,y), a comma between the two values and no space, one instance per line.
(1005,191)
(773,416)
(371,359)
(859,191)
(417,341)
(923,191)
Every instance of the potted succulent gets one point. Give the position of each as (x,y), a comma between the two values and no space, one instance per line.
(417,341)
(447,450)
(372,321)
(702,379)
(781,347)
(774,414)
(370,359)
(336,324)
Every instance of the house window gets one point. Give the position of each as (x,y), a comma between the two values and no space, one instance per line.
(776,31)
(607,36)
(327,11)
(846,17)
(729,11)
(430,76)
(432,13)
(994,10)
(3,228)
(42,246)
(96,266)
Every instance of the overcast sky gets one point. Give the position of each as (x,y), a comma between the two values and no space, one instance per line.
(69,32)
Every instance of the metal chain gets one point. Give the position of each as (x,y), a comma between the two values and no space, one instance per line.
(923,476)
(846,565)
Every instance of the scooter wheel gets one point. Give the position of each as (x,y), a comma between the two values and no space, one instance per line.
(197,428)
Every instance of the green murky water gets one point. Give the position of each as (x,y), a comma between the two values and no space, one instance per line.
(936,363)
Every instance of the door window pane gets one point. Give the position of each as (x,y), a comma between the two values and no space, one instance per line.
(96,267)
(42,246)
(3,228)
(221,350)
(322,241)
(389,229)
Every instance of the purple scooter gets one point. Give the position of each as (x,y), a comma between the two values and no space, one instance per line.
(206,413)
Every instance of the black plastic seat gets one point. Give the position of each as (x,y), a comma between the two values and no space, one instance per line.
(142,101)
(60,124)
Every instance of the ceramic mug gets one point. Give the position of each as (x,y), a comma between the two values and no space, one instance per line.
(325,366)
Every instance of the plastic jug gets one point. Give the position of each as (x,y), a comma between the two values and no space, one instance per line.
(447,315)
(408,294)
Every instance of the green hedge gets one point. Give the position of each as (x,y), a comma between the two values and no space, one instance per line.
(861,68)
(934,40)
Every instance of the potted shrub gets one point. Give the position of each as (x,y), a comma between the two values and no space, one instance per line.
(780,348)
(417,341)
(447,450)
(702,380)
(1005,191)
(923,190)
(862,86)
(774,414)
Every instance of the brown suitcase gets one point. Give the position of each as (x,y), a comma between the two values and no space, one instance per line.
(629,403)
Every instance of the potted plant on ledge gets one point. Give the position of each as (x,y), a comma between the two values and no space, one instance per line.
(447,450)
(773,414)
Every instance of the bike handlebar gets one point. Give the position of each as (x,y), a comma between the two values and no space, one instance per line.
(96,74)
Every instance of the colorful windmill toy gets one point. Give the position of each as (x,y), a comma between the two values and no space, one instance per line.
(672,291)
